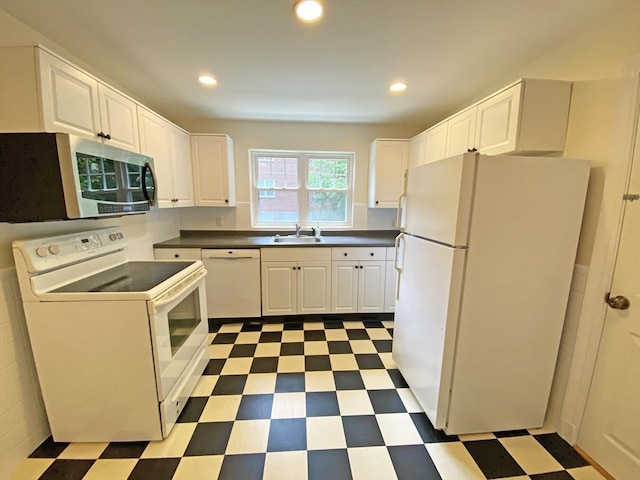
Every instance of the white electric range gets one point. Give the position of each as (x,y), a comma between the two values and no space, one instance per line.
(118,345)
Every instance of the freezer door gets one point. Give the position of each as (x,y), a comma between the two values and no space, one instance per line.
(426,321)
(438,199)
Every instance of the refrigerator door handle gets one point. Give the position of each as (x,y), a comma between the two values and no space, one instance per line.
(400,214)
(399,238)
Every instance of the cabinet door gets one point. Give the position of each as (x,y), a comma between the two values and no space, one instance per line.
(387,163)
(344,287)
(314,287)
(119,119)
(182,177)
(390,287)
(155,142)
(435,143)
(69,98)
(497,122)
(371,286)
(176,253)
(461,132)
(210,169)
(279,296)
(416,149)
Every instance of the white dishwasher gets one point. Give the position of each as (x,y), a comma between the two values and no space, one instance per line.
(233,282)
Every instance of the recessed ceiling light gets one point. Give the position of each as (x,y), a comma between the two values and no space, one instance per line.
(207,80)
(308,10)
(398,87)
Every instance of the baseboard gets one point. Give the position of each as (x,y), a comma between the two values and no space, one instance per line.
(593,463)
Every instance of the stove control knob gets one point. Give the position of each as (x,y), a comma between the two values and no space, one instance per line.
(42,251)
(113,237)
(120,235)
(54,249)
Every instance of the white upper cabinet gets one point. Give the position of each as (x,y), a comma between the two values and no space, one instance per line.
(118,119)
(388,161)
(169,148)
(461,132)
(435,143)
(416,149)
(214,176)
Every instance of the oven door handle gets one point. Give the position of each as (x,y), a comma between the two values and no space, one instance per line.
(179,289)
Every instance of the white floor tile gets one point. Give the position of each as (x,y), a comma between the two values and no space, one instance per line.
(388,323)
(398,429)
(31,468)
(230,328)
(541,430)
(205,386)
(343,361)
(371,463)
(336,335)
(111,469)
(316,348)
(325,433)
(289,405)
(291,364)
(319,382)
(476,436)
(289,336)
(387,360)
(81,450)
(285,466)
(220,350)
(237,366)
(409,400)
(247,337)
(267,350)
(353,325)
(174,445)
(273,327)
(260,383)
(362,346)
(453,461)
(313,325)
(248,436)
(354,402)
(378,334)
(530,455)
(198,468)
(585,473)
(376,379)
(221,408)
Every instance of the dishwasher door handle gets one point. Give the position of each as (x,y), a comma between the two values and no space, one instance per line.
(229,258)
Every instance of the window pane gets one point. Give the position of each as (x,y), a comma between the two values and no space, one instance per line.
(327,207)
(277,172)
(327,173)
(281,207)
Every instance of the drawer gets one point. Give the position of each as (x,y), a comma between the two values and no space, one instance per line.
(176,253)
(298,254)
(359,253)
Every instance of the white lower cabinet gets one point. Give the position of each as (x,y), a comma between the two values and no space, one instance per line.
(296,281)
(390,282)
(358,280)
(176,253)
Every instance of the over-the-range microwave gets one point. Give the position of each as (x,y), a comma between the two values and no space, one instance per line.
(58,176)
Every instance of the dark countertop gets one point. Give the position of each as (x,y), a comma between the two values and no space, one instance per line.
(261,239)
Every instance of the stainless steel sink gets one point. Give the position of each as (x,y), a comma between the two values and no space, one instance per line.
(296,240)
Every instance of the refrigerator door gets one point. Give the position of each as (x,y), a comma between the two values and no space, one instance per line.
(426,320)
(438,200)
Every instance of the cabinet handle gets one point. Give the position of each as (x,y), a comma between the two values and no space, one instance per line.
(294,268)
(177,255)
(356,266)
(377,202)
(371,254)
(299,268)
(361,267)
(472,150)
(345,254)
(107,136)
(101,135)
(226,200)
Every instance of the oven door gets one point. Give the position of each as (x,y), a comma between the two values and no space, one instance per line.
(179,326)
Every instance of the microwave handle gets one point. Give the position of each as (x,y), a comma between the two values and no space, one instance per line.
(151,200)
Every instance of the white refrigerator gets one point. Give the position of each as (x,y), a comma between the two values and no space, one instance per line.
(485,261)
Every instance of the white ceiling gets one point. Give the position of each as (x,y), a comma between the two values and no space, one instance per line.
(270,67)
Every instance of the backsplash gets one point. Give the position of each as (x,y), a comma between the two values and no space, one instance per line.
(239,218)
(23,422)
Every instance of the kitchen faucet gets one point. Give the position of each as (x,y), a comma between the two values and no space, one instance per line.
(297,230)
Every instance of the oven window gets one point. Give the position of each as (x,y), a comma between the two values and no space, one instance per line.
(183,319)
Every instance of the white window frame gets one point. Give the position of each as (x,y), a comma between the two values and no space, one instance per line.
(302,188)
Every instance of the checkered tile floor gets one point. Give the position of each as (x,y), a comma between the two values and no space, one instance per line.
(309,401)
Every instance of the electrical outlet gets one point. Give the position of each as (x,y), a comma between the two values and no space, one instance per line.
(218,221)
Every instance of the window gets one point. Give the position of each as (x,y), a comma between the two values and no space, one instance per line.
(307,188)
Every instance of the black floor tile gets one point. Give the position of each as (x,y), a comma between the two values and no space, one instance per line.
(314,336)
(561,450)
(214,367)
(251,327)
(373,324)
(287,434)
(49,449)
(270,337)
(192,410)
(243,350)
(245,467)
(350,380)
(397,378)
(390,330)
(67,470)
(332,324)
(209,439)
(124,450)
(328,465)
(362,431)
(293,326)
(230,385)
(427,432)
(264,365)
(253,407)
(493,459)
(290,382)
(224,338)
(322,404)
(156,468)
(368,361)
(313,363)
(562,475)
(413,462)
(511,433)
(386,401)
(293,348)
(357,334)
(339,347)
(383,346)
